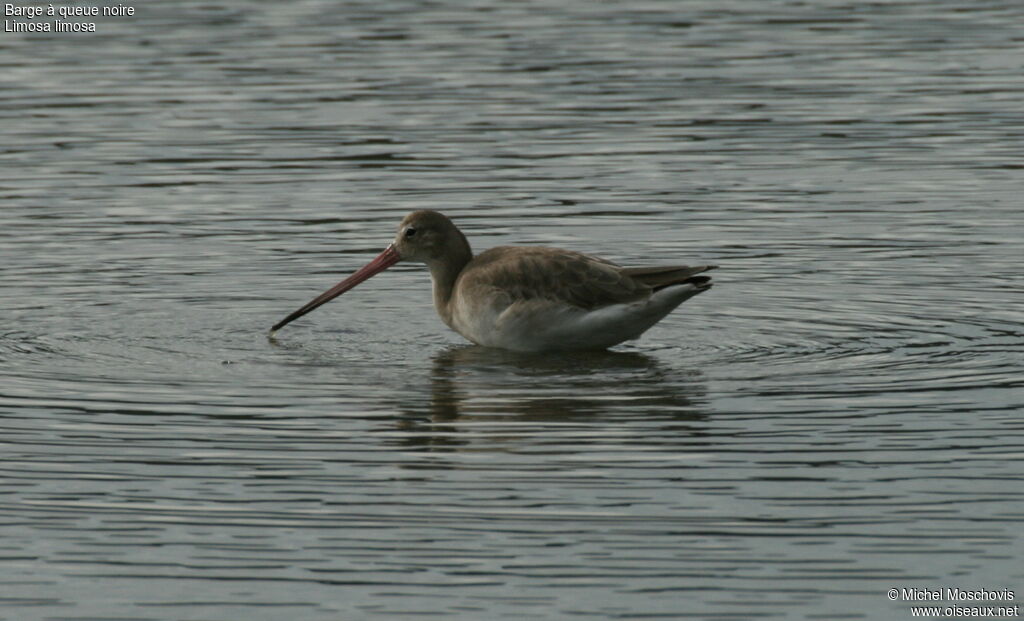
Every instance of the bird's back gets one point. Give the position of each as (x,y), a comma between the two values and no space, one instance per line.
(536,298)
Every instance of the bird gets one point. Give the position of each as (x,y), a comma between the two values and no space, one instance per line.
(528,298)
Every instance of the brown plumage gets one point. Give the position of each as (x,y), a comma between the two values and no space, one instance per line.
(528,272)
(530,298)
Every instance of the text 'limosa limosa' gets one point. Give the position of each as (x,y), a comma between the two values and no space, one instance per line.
(527,298)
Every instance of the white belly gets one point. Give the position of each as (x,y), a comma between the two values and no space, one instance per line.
(544,325)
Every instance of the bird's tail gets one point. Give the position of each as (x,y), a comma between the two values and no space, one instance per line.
(660,277)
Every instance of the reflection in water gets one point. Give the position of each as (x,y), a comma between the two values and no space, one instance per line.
(485,385)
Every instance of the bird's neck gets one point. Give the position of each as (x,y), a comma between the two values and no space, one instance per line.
(445,272)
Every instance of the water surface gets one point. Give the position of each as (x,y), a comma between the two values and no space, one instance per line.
(839,416)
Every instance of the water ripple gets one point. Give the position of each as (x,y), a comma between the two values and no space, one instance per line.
(838,416)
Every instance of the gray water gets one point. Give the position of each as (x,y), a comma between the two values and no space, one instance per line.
(839,416)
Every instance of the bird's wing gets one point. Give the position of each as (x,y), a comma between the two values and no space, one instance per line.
(664,276)
(534,274)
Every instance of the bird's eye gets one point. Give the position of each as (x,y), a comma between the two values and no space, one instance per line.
(409,231)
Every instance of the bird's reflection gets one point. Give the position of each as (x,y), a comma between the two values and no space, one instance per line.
(470,384)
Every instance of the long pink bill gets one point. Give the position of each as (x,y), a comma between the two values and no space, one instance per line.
(383,261)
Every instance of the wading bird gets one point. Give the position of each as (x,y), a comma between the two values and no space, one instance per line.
(527,298)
